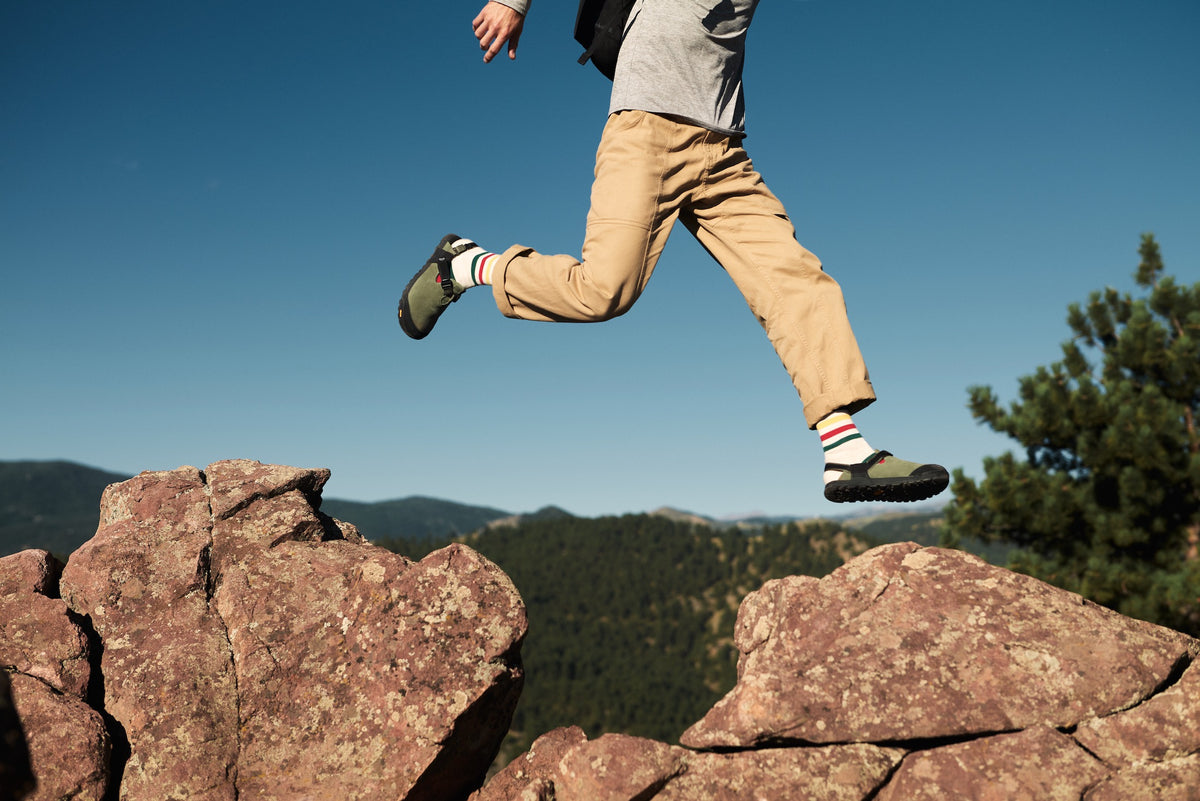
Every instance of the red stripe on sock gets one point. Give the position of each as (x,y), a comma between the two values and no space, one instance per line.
(837,431)
(480,265)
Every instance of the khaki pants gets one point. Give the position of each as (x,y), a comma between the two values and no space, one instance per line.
(652,170)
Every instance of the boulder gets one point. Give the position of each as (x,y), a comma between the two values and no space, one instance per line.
(361,673)
(1154,747)
(616,767)
(531,776)
(45,653)
(33,571)
(826,773)
(912,673)
(253,647)
(38,636)
(144,583)
(563,765)
(68,743)
(1038,764)
(1163,728)
(1173,780)
(16,772)
(907,643)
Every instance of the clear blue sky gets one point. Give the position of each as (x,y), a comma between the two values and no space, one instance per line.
(208,209)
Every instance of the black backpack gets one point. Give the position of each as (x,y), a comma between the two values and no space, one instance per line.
(599,27)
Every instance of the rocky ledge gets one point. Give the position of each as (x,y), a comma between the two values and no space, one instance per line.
(221,638)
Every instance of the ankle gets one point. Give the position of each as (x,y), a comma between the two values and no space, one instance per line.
(841,440)
(842,443)
(474,266)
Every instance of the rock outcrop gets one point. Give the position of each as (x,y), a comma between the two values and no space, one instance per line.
(248,646)
(220,638)
(64,741)
(563,765)
(907,643)
(913,673)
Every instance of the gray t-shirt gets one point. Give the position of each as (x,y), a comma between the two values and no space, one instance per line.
(684,58)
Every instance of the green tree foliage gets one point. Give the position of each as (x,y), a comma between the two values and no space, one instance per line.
(1107,500)
(631,618)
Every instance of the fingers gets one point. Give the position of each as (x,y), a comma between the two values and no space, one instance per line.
(492,48)
(512,43)
(495,25)
(491,38)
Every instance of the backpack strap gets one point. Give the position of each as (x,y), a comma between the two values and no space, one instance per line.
(600,27)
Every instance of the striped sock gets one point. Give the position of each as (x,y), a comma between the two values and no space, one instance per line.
(842,442)
(473,266)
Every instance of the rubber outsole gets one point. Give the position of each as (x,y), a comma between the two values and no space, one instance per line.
(905,489)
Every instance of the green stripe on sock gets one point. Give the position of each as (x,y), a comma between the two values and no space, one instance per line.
(842,441)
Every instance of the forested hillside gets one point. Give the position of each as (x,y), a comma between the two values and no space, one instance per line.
(54,505)
(925,528)
(416,517)
(631,618)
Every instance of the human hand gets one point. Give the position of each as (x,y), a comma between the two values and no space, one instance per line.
(495,25)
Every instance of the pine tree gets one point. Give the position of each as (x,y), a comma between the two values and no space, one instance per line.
(1107,500)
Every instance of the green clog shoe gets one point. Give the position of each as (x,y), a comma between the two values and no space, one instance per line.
(431,290)
(883,477)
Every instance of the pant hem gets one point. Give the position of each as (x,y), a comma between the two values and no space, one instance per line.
(500,274)
(859,396)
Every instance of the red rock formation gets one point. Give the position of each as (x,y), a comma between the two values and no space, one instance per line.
(144,584)
(1038,764)
(251,647)
(224,639)
(16,772)
(910,643)
(40,639)
(913,673)
(563,765)
(66,744)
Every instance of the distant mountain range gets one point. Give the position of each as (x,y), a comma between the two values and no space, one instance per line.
(55,505)
(50,505)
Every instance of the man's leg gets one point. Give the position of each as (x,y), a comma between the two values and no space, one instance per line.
(801,308)
(633,207)
(642,175)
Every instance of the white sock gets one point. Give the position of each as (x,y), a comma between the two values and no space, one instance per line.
(473,266)
(842,442)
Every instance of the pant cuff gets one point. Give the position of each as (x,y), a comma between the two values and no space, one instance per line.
(500,274)
(854,399)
